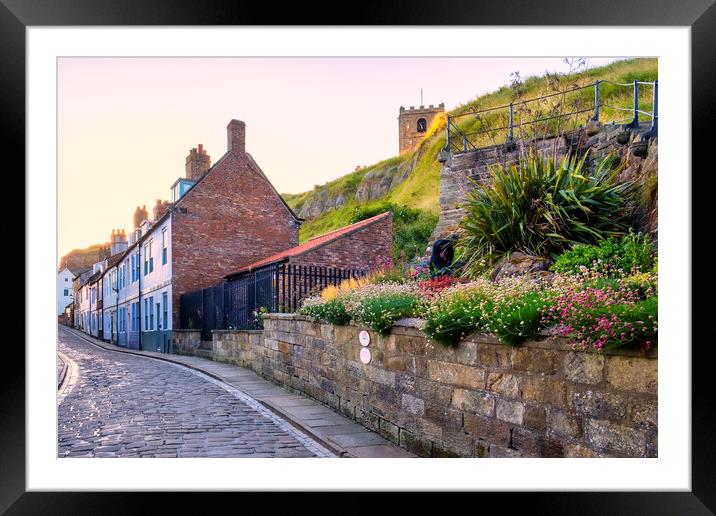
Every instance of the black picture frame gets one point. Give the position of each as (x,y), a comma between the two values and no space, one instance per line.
(17,15)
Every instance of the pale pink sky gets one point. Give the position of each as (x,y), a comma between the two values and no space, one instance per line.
(126,124)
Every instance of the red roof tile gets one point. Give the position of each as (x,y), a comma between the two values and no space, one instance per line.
(311,244)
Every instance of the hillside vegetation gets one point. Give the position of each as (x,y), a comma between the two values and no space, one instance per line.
(416,175)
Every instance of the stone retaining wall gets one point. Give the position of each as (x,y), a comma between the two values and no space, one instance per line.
(461,173)
(481,399)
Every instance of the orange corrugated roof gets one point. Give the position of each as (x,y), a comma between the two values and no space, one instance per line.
(310,244)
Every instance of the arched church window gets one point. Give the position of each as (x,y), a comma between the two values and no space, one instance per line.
(422,125)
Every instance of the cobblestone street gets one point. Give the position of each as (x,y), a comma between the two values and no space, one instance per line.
(120,405)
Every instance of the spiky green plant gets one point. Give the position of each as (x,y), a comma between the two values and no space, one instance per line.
(542,206)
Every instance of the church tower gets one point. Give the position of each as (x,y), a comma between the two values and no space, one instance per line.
(413,124)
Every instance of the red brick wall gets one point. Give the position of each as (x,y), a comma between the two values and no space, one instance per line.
(234,217)
(358,250)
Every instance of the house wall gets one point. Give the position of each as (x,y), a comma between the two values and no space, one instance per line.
(230,218)
(479,399)
(156,333)
(128,294)
(364,248)
(64,282)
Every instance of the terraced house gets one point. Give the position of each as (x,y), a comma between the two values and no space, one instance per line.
(221,217)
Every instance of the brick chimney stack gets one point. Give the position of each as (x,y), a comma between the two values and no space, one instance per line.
(236,137)
(197,163)
(118,242)
(140,214)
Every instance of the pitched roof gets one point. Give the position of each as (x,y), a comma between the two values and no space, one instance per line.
(311,244)
(115,259)
(252,164)
(78,271)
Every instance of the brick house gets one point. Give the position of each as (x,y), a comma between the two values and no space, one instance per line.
(220,216)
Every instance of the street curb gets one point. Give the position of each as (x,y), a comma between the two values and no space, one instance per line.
(61,378)
(338,450)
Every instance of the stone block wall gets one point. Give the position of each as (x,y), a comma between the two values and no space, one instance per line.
(236,346)
(480,399)
(186,342)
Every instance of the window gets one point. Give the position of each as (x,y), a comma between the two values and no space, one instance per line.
(164,246)
(133,268)
(137,265)
(422,125)
(66,293)
(151,314)
(164,304)
(151,258)
(146,316)
(148,258)
(135,316)
(65,280)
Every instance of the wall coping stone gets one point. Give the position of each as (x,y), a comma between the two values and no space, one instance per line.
(185,330)
(237,331)
(412,326)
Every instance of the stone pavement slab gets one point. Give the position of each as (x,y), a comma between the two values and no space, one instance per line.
(341,435)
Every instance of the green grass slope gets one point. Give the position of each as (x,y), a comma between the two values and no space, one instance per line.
(421,189)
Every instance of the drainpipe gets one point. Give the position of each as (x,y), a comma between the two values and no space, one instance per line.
(139,291)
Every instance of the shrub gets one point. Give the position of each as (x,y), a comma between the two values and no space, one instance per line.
(412,227)
(429,288)
(333,311)
(517,319)
(419,269)
(601,319)
(380,312)
(390,274)
(540,206)
(633,252)
(456,314)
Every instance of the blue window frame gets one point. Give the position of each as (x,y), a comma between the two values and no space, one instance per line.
(164,246)
(164,309)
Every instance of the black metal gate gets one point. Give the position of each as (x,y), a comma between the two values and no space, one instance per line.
(237,303)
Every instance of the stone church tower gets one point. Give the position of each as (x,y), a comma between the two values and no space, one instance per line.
(413,123)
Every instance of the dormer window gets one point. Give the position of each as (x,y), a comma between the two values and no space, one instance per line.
(422,125)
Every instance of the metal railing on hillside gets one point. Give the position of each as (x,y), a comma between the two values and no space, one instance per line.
(551,114)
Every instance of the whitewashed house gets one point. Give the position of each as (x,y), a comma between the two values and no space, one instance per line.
(64,289)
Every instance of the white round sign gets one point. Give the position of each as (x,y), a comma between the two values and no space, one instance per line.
(365,355)
(364,338)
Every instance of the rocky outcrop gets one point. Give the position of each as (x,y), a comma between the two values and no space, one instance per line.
(378,182)
(375,185)
(519,264)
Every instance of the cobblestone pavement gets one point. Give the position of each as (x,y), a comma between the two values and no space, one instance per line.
(120,405)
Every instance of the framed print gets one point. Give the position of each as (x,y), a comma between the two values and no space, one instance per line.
(313,285)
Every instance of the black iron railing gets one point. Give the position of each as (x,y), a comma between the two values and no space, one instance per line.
(237,302)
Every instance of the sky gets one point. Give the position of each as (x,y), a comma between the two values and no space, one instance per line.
(126,125)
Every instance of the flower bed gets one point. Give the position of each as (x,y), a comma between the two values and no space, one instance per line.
(598,311)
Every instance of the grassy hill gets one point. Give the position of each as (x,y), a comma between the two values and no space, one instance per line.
(420,190)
